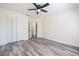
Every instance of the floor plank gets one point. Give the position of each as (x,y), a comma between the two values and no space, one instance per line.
(38,47)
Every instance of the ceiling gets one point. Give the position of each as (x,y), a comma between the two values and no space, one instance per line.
(52,8)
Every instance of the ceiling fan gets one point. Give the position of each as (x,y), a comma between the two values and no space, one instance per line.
(39,8)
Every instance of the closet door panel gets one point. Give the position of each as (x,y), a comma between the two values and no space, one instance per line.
(3,29)
(22,28)
(9,29)
(14,29)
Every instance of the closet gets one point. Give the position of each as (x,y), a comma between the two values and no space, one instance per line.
(13,27)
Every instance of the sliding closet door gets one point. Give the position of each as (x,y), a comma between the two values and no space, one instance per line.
(13,28)
(22,28)
(9,29)
(17,28)
(3,30)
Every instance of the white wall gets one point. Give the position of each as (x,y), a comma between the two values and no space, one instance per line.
(62,27)
(13,26)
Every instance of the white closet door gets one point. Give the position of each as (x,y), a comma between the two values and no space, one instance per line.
(22,28)
(17,28)
(9,29)
(14,28)
(3,29)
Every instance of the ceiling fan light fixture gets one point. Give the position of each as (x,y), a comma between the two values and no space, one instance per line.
(38,10)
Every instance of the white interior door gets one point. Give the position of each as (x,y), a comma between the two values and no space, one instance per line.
(3,31)
(22,28)
(9,29)
(32,29)
(13,28)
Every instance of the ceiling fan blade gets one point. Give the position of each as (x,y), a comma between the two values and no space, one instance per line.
(37,12)
(43,10)
(32,9)
(35,5)
(44,5)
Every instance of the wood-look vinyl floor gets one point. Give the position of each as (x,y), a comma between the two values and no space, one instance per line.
(38,47)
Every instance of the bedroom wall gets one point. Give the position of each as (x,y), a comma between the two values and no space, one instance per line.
(62,27)
(13,26)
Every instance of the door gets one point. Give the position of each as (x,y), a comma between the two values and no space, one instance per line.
(22,28)
(32,29)
(3,29)
(13,28)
